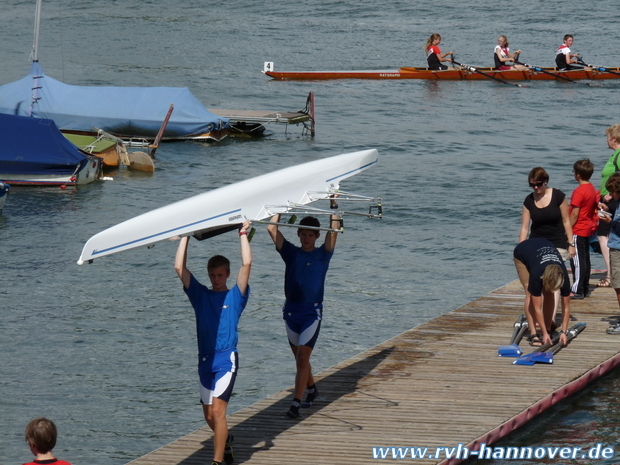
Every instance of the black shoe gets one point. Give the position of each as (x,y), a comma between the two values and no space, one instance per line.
(293,412)
(310,398)
(229,456)
(577,296)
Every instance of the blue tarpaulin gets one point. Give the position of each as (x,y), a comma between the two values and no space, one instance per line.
(125,111)
(35,146)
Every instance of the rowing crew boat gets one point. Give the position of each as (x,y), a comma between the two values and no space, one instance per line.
(452,74)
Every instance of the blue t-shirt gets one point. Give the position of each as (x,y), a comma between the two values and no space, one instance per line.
(304,279)
(217,316)
(536,254)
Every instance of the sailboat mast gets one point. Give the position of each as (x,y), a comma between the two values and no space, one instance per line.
(35,60)
(37,22)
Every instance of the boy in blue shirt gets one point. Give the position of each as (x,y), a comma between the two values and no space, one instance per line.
(217,314)
(304,283)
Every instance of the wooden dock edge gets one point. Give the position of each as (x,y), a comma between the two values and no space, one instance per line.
(539,407)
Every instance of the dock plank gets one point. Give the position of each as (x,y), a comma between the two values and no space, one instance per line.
(438,385)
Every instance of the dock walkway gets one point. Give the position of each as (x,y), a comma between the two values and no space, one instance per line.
(438,385)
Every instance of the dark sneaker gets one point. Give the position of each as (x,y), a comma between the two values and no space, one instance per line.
(229,456)
(310,398)
(293,412)
(613,330)
(577,296)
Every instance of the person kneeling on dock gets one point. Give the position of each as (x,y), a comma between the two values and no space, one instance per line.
(217,315)
(542,271)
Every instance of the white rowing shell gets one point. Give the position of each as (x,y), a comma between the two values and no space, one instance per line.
(226,207)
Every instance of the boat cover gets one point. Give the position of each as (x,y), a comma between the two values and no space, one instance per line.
(125,111)
(36,146)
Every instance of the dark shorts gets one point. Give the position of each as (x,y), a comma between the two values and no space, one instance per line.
(303,332)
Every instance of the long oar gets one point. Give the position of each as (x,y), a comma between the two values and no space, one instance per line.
(472,69)
(539,69)
(513,350)
(537,355)
(598,68)
(557,75)
(547,357)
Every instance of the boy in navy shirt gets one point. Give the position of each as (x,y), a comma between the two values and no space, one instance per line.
(304,283)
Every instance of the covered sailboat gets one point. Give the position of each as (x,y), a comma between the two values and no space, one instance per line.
(128,112)
(34,152)
(123,111)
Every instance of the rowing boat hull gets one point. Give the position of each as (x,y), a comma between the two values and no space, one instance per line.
(226,208)
(446,75)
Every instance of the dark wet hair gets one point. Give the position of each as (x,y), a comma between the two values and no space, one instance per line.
(310,221)
(218,261)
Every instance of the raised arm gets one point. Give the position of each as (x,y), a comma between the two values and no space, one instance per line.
(334,222)
(246,259)
(180,262)
(274,232)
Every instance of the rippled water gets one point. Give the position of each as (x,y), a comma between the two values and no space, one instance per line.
(107,350)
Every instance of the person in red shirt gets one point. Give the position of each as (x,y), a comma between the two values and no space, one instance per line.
(41,437)
(583,214)
(434,55)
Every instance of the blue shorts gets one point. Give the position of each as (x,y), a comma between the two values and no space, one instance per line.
(217,374)
(303,332)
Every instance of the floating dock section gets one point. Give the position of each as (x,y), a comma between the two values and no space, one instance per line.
(440,384)
(245,121)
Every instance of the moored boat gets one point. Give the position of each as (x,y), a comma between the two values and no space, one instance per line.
(127,112)
(34,152)
(452,74)
(4,193)
(111,151)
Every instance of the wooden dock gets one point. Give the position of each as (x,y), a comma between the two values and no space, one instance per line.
(438,385)
(245,122)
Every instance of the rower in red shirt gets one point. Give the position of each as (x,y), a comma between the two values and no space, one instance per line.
(434,55)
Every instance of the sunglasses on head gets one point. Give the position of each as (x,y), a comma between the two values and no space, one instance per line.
(536,184)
